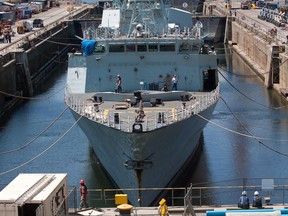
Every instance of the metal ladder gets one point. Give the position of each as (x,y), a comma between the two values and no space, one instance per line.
(188,206)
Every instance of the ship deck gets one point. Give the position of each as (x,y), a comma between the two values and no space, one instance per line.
(156,109)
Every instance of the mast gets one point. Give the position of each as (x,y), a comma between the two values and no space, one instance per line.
(140,17)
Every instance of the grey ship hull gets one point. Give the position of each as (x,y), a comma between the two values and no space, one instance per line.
(168,148)
(147,43)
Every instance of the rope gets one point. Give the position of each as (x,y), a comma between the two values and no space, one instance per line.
(31,98)
(269,107)
(258,140)
(238,133)
(41,153)
(32,140)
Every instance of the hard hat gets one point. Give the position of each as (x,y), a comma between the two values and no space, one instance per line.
(256,193)
(118,75)
(81,181)
(244,193)
(162,201)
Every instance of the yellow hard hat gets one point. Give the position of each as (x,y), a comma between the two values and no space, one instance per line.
(162,201)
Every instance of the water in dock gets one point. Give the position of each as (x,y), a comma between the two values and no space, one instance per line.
(229,154)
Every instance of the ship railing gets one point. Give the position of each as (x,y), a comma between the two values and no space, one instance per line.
(111,34)
(153,119)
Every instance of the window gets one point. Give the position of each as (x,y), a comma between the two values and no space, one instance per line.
(99,49)
(141,48)
(130,48)
(167,48)
(116,48)
(195,48)
(152,48)
(184,47)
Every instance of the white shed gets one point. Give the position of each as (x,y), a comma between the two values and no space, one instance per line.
(35,194)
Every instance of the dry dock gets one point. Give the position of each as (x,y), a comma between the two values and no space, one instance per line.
(266,53)
(30,58)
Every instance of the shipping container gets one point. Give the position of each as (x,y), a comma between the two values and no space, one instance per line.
(35,194)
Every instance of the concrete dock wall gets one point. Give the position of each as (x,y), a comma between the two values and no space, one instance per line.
(265,53)
(7,77)
(250,45)
(284,70)
(23,70)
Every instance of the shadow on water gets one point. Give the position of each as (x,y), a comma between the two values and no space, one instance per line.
(102,181)
(183,178)
(49,83)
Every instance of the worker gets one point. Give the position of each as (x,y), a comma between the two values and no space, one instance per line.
(83,194)
(257,200)
(164,88)
(244,201)
(163,209)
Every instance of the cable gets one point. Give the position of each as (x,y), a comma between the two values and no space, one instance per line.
(269,107)
(59,43)
(238,133)
(258,140)
(41,153)
(236,74)
(47,57)
(32,140)
(32,123)
(31,98)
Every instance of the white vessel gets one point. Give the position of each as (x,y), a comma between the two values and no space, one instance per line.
(143,136)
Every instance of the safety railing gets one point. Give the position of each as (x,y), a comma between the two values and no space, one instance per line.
(152,119)
(217,195)
(110,34)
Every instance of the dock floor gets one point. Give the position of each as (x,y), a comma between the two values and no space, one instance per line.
(176,210)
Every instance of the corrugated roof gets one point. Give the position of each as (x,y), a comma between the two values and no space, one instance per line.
(38,186)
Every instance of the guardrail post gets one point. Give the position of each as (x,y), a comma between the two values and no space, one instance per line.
(283,191)
(75,198)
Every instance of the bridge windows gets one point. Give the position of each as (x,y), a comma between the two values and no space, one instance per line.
(152,48)
(167,47)
(139,48)
(116,48)
(130,48)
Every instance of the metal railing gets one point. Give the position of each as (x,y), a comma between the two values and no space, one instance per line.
(110,34)
(224,193)
(218,195)
(151,120)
